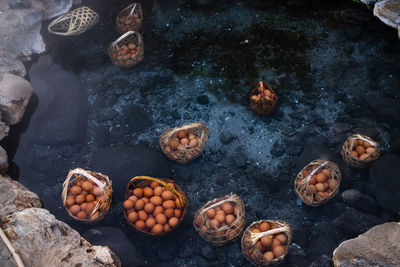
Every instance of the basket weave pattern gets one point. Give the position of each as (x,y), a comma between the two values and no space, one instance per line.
(115,50)
(353,161)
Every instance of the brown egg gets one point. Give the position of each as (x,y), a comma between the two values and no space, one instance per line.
(97,191)
(321,177)
(367,144)
(184,142)
(167,228)
(140,224)
(278,251)
(133,198)
(354,154)
(161,218)
(360,149)
(174,144)
(74,209)
(191,136)
(157,229)
(266,241)
(79,199)
(171,185)
(204,228)
(156,200)
(90,198)
(229,219)
(150,222)
(84,193)
(198,221)
(182,134)
(87,186)
(305,173)
(142,215)
(370,150)
(259,245)
(138,192)
(332,183)
(282,237)
(132,217)
(235,211)
(139,204)
(149,207)
(167,195)
(313,179)
(158,191)
(269,255)
(264,226)
(81,215)
(70,201)
(193,143)
(168,204)
(220,212)
(327,173)
(148,192)
(101,198)
(154,185)
(220,218)
(173,222)
(320,187)
(275,242)
(363,156)
(128,204)
(178,204)
(75,189)
(157,210)
(177,213)
(145,200)
(169,213)
(255,230)
(214,224)
(89,208)
(227,207)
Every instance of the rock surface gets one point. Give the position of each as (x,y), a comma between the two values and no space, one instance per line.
(353,222)
(3,160)
(388,11)
(380,246)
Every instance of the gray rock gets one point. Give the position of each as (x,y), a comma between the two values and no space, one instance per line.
(388,11)
(52,242)
(203,100)
(351,195)
(15,197)
(3,160)
(10,64)
(360,201)
(14,96)
(380,246)
(353,222)
(52,8)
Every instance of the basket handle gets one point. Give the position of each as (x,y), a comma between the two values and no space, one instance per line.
(231,197)
(257,236)
(140,41)
(133,10)
(170,188)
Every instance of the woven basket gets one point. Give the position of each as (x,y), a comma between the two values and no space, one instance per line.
(143,181)
(262,105)
(184,154)
(129,19)
(103,201)
(352,159)
(251,241)
(127,50)
(224,234)
(306,182)
(75,22)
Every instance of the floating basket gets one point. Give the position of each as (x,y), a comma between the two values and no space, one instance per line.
(129,19)
(86,195)
(318,182)
(359,151)
(147,197)
(266,242)
(173,146)
(263,99)
(220,228)
(127,50)
(75,22)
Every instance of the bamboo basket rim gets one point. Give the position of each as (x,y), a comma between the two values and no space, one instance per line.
(366,138)
(105,186)
(164,182)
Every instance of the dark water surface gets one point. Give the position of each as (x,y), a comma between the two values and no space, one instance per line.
(336,71)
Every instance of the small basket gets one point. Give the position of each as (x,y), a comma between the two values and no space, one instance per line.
(318,182)
(127,50)
(75,22)
(260,248)
(223,234)
(175,150)
(129,19)
(263,99)
(359,151)
(83,184)
(146,181)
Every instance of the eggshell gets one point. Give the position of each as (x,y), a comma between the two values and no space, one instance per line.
(70,201)
(327,173)
(148,192)
(139,204)
(220,212)
(321,177)
(282,237)
(142,215)
(364,156)
(370,150)
(140,224)
(168,204)
(220,218)
(269,255)
(178,204)
(278,251)
(97,191)
(87,186)
(167,195)
(198,221)
(157,210)
(158,191)
(275,242)
(264,226)
(191,136)
(229,219)
(150,222)
(313,180)
(166,227)
(227,207)
(149,207)
(90,198)
(79,199)
(193,143)
(133,198)
(354,154)
(177,213)
(74,209)
(214,224)
(161,218)
(75,189)
(266,241)
(138,192)
(184,141)
(320,187)
(173,222)
(132,217)
(367,144)
(360,149)
(89,208)
(81,215)
(156,200)
(182,134)
(157,229)
(255,230)
(169,213)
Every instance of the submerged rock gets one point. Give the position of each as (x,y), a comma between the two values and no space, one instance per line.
(380,246)
(388,11)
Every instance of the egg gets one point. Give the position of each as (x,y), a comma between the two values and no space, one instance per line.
(370,150)
(281,237)
(149,207)
(235,211)
(220,218)
(275,242)
(321,177)
(266,241)
(255,230)
(74,209)
(313,180)
(184,141)
(89,208)
(278,251)
(167,195)
(81,215)
(138,192)
(168,204)
(193,143)
(360,149)
(139,204)
(161,218)
(133,198)
(140,224)
(177,213)
(305,173)
(229,219)
(147,192)
(182,134)
(87,186)
(90,198)
(157,229)
(269,255)
(75,189)
(174,144)
(70,201)
(327,173)
(367,144)
(166,228)
(169,213)
(150,222)
(354,154)
(198,221)
(173,222)
(154,185)
(97,191)
(79,199)
(157,210)
(214,224)
(220,212)
(132,217)
(178,204)
(320,187)
(156,200)
(259,246)
(364,156)
(227,208)
(210,213)
(191,136)
(264,226)
(158,191)
(142,215)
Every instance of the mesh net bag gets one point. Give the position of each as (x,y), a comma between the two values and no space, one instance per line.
(127,50)
(185,143)
(75,22)
(266,242)
(86,195)
(154,206)
(359,151)
(318,182)
(129,19)
(263,99)
(221,220)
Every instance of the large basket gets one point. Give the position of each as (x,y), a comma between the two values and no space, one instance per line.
(203,222)
(127,50)
(172,147)
(146,181)
(263,99)
(129,19)
(101,190)
(75,22)
(360,160)
(318,182)
(253,247)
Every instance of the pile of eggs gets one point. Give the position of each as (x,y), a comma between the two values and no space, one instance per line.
(270,246)
(82,198)
(362,150)
(129,23)
(184,139)
(268,94)
(125,54)
(153,209)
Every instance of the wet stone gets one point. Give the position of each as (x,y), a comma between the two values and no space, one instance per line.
(203,100)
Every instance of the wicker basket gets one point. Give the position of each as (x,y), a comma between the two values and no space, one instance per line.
(318,182)
(75,22)
(263,99)
(175,150)
(129,19)
(253,245)
(368,148)
(223,234)
(101,190)
(127,50)
(146,181)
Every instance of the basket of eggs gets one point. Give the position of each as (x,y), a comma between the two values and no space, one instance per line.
(185,143)
(220,221)
(359,151)
(129,19)
(266,242)
(318,182)
(127,50)
(263,99)
(86,195)
(154,206)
